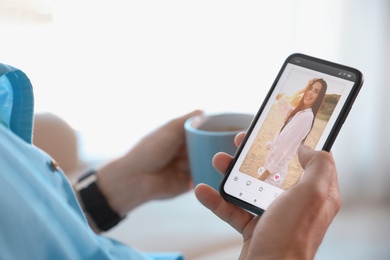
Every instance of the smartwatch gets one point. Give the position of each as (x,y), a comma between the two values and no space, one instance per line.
(95,203)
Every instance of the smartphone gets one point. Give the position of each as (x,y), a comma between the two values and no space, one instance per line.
(307,104)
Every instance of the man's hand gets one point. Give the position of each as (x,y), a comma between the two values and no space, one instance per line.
(294,225)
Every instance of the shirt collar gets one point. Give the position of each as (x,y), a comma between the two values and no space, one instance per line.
(17,110)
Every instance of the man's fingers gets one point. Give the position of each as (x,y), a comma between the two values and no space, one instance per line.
(221,162)
(228,212)
(238,139)
(316,161)
(193,113)
(320,175)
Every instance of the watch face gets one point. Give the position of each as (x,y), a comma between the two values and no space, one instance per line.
(96,204)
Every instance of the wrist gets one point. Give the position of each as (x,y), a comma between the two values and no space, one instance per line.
(99,213)
(123,191)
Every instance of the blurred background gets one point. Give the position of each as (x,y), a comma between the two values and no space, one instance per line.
(117,69)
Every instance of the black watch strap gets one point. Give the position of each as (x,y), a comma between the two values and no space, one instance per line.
(97,206)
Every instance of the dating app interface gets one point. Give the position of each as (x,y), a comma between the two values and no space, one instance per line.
(302,109)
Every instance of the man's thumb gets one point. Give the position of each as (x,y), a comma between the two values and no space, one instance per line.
(305,153)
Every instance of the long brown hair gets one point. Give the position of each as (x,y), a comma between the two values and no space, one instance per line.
(316,105)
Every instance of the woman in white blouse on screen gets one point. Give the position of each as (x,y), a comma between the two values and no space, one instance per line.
(301,110)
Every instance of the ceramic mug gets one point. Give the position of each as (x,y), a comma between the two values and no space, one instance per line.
(208,134)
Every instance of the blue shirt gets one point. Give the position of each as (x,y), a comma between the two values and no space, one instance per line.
(40,217)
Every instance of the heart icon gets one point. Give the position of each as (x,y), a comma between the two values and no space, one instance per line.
(276,177)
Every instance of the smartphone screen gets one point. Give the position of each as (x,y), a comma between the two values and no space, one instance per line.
(307,104)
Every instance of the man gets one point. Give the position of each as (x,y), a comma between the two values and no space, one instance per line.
(43,217)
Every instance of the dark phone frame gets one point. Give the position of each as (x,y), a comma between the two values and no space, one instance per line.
(324,66)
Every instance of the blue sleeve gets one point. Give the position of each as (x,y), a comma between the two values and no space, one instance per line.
(40,216)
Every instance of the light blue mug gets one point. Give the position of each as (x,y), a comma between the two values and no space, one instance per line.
(207,135)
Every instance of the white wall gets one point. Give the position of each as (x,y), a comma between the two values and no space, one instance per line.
(364,148)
